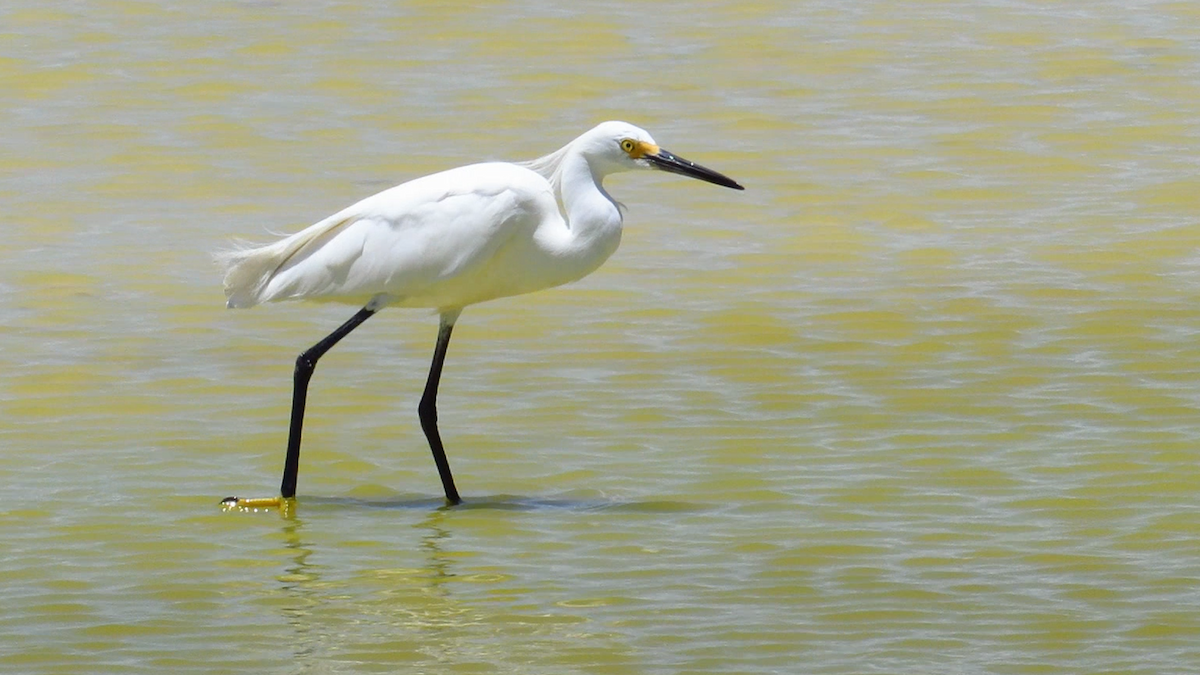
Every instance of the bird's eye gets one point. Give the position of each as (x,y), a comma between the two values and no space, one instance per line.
(627,145)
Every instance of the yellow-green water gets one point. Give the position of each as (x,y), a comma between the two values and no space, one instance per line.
(923,399)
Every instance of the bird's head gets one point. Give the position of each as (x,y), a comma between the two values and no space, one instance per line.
(620,146)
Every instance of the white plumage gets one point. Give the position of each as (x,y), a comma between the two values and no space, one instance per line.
(449,240)
(452,238)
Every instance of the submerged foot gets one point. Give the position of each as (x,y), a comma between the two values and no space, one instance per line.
(251,503)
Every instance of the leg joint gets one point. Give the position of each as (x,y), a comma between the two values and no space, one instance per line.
(427,410)
(305,363)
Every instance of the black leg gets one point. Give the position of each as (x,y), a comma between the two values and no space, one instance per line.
(305,363)
(428,407)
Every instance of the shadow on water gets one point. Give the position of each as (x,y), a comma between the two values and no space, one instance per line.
(510,503)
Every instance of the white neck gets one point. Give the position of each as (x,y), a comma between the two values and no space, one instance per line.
(583,198)
(592,218)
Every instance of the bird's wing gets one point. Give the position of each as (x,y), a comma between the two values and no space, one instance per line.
(404,242)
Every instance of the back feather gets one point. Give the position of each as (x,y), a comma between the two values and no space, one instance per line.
(249,267)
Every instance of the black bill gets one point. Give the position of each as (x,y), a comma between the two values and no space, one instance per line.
(668,162)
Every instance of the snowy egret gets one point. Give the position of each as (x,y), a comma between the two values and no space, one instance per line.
(449,240)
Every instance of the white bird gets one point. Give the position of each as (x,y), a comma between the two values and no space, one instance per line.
(449,240)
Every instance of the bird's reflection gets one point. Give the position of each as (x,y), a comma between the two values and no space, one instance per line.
(413,603)
(299,582)
(439,563)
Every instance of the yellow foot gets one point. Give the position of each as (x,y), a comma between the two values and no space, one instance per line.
(252,503)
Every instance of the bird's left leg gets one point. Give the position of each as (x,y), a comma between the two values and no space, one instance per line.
(305,363)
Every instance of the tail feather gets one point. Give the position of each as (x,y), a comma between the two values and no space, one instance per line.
(250,267)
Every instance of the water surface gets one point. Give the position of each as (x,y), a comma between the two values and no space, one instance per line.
(923,399)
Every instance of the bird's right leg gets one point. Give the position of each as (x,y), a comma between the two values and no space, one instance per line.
(305,363)
(427,410)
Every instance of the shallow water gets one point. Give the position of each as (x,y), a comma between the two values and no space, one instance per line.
(923,399)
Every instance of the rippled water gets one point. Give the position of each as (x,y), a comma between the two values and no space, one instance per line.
(923,399)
